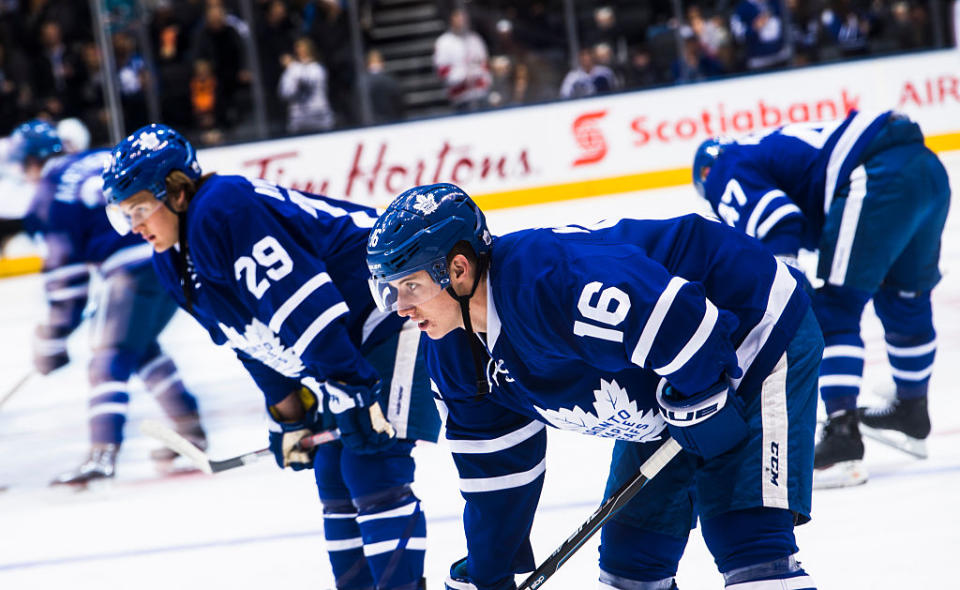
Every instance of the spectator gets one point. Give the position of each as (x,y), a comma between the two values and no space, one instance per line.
(604,58)
(132,81)
(203,95)
(386,96)
(174,74)
(605,29)
(304,86)
(503,87)
(640,72)
(588,78)
(758,26)
(330,32)
(275,37)
(56,74)
(460,59)
(93,107)
(222,46)
(695,64)
(846,28)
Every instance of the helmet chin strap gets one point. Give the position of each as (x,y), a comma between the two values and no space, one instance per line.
(480,355)
(185,268)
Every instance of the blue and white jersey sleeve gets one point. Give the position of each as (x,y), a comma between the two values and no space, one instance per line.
(500,457)
(746,197)
(295,317)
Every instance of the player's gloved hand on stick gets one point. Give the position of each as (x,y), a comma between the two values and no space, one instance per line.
(708,423)
(285,437)
(459,579)
(363,428)
(50,349)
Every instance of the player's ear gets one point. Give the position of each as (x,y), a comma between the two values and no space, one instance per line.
(459,267)
(179,201)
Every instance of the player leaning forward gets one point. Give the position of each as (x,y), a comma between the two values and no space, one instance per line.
(279,275)
(605,330)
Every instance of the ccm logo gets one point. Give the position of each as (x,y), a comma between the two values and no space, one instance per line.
(692,417)
(586,132)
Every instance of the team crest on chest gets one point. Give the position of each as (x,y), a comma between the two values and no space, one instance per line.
(260,342)
(614,415)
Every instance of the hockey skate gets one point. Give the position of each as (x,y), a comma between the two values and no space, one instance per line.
(167,460)
(101,464)
(904,424)
(838,457)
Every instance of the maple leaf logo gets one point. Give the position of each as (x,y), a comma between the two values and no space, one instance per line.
(426,204)
(614,415)
(147,141)
(261,343)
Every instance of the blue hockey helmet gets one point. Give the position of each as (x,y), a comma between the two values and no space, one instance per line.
(143,160)
(416,232)
(703,161)
(34,139)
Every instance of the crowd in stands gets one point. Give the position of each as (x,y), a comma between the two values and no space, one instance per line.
(195,63)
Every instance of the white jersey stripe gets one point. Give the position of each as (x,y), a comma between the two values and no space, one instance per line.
(840,381)
(345,544)
(413,544)
(848,226)
(780,292)
(68,293)
(322,321)
(844,351)
(760,209)
(775,422)
(495,445)
(502,482)
(912,375)
(840,152)
(774,218)
(108,387)
(65,272)
(337,515)
(108,408)
(130,255)
(401,385)
(910,351)
(707,323)
(803,582)
(652,327)
(405,510)
(150,367)
(284,311)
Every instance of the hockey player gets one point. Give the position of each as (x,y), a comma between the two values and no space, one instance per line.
(279,275)
(130,311)
(633,330)
(873,199)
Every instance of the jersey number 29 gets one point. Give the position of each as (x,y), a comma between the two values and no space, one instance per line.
(267,253)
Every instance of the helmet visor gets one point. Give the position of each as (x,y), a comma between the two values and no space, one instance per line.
(403,291)
(124,217)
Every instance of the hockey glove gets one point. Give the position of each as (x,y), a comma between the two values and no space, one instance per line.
(50,348)
(285,436)
(363,429)
(459,579)
(708,423)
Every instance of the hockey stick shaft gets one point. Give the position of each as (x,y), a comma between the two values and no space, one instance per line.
(657,461)
(16,387)
(173,440)
(308,442)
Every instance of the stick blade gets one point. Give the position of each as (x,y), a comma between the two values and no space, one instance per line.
(174,441)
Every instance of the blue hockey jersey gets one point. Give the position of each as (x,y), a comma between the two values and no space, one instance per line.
(778,187)
(280,276)
(582,327)
(67,214)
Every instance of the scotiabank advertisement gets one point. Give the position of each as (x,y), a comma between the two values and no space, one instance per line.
(566,146)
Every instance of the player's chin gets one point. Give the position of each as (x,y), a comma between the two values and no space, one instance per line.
(433,330)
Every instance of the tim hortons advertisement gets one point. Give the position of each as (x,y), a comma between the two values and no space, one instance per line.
(594,146)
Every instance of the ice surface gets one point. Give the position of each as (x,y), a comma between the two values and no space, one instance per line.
(259,527)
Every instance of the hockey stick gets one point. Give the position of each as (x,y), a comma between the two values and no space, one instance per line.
(174,441)
(615,502)
(16,387)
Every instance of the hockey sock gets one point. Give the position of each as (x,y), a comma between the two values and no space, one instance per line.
(345,545)
(838,311)
(631,555)
(911,340)
(394,532)
(162,380)
(748,537)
